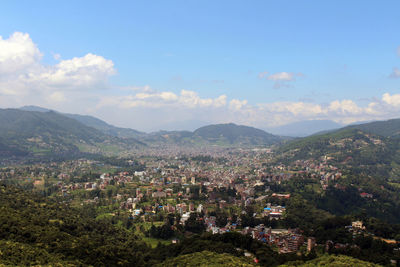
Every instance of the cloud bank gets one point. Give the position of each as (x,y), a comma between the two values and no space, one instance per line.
(82,85)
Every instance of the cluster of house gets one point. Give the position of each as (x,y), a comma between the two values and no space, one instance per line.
(287,240)
(273,211)
(181,208)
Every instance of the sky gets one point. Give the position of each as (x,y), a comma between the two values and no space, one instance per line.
(153,65)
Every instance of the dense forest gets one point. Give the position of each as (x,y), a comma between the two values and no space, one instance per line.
(41,231)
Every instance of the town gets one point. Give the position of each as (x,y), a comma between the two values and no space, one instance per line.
(166,196)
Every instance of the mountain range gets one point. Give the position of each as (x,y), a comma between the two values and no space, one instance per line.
(37,131)
(93,122)
(296,129)
(222,134)
(51,133)
(34,131)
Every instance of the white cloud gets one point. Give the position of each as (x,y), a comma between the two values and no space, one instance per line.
(72,85)
(343,111)
(188,105)
(344,107)
(281,76)
(393,100)
(281,79)
(284,76)
(56,97)
(18,53)
(22,74)
(146,88)
(186,99)
(237,104)
(77,73)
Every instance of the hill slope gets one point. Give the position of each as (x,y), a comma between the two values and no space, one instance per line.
(105,127)
(389,128)
(235,134)
(372,148)
(39,231)
(41,133)
(334,260)
(94,123)
(218,134)
(228,135)
(207,258)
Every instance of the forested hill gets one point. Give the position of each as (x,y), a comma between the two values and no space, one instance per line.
(232,133)
(351,147)
(33,133)
(228,134)
(105,127)
(94,123)
(40,231)
(389,128)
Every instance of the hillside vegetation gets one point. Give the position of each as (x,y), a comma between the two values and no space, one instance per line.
(351,148)
(207,258)
(34,131)
(389,128)
(333,261)
(231,133)
(30,133)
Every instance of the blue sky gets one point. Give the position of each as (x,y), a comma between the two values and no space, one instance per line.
(274,54)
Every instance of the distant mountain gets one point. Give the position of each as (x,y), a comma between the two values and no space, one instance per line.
(35,108)
(215,135)
(235,134)
(189,125)
(218,134)
(305,128)
(372,148)
(105,127)
(94,123)
(388,128)
(168,138)
(51,133)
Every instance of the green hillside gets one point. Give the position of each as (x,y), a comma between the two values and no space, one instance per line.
(35,230)
(207,258)
(105,127)
(94,123)
(39,231)
(219,134)
(351,146)
(348,141)
(168,138)
(366,162)
(374,143)
(227,135)
(389,128)
(51,133)
(235,134)
(333,261)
